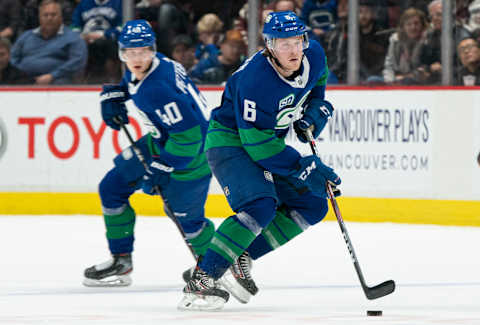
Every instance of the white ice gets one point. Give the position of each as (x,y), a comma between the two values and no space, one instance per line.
(311,280)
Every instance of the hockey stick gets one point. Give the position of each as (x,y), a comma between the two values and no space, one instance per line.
(378,291)
(156,188)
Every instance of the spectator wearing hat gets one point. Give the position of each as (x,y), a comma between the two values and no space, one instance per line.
(9,75)
(218,68)
(469,54)
(182,51)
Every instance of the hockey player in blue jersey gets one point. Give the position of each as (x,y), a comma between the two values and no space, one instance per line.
(275,192)
(172,109)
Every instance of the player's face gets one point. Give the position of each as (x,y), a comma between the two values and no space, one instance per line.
(138,60)
(289,52)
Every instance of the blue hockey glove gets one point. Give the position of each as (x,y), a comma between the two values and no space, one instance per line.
(316,117)
(157,175)
(112,102)
(316,175)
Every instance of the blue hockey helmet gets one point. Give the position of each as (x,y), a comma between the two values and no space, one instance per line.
(283,24)
(136,33)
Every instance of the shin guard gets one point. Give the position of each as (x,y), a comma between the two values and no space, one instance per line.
(120,225)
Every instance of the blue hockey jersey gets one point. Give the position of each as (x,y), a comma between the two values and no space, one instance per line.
(173,110)
(259,106)
(98,16)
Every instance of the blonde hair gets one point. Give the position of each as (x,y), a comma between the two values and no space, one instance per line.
(209,23)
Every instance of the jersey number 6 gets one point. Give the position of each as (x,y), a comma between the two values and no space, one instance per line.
(249,112)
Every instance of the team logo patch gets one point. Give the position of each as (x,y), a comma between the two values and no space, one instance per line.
(287,112)
(287,101)
(285,117)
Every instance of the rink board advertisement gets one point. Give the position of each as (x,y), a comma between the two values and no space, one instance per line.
(389,146)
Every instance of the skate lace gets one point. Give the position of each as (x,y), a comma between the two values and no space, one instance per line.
(245,264)
(201,281)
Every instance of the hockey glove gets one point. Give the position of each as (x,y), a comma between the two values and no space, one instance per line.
(315,117)
(157,175)
(316,174)
(112,102)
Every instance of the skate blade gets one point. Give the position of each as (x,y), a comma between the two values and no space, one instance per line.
(234,288)
(191,301)
(112,281)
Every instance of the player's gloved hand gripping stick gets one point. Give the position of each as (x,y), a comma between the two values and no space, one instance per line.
(156,188)
(377,291)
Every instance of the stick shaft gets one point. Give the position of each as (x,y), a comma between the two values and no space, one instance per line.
(338,215)
(158,191)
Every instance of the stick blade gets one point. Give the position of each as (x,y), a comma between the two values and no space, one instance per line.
(380,290)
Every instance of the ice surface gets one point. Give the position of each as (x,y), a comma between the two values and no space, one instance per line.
(311,280)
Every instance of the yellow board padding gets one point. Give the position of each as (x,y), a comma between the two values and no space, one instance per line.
(438,212)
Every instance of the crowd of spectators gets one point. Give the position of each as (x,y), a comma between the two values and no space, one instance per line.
(75,41)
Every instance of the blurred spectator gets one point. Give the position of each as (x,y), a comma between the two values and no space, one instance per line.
(10,18)
(51,53)
(99,22)
(430,71)
(9,75)
(241,22)
(321,16)
(336,48)
(209,29)
(217,69)
(30,13)
(421,5)
(342,9)
(225,10)
(183,51)
(373,44)
(462,10)
(403,55)
(284,5)
(469,54)
(168,19)
(299,4)
(474,20)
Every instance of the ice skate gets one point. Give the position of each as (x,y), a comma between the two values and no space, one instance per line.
(187,274)
(238,281)
(113,273)
(202,293)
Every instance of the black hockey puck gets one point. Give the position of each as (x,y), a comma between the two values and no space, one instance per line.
(374,313)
